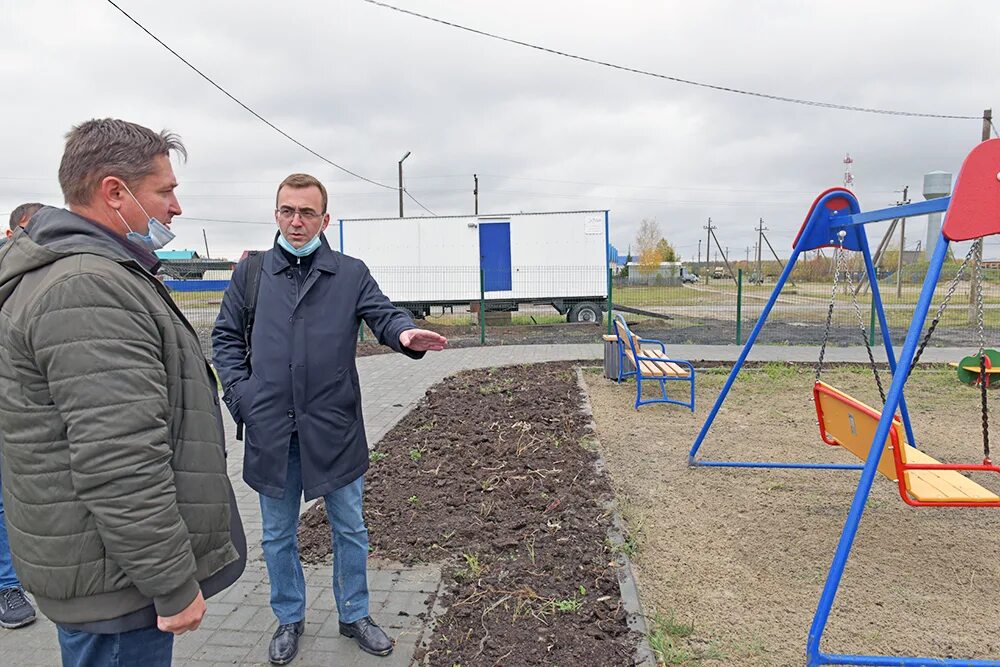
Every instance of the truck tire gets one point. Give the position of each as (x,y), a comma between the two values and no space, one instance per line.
(585,312)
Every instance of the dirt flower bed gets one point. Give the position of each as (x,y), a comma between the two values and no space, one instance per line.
(494,475)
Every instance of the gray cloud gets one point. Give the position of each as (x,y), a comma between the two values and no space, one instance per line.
(362,85)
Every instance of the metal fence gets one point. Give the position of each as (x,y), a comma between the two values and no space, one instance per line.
(542,305)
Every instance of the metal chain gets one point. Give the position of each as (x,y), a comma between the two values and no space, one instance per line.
(983,377)
(940,311)
(864,336)
(838,255)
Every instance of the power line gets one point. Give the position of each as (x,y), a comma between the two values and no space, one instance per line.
(755,191)
(235,222)
(995,133)
(417,202)
(247,108)
(633,70)
(662,187)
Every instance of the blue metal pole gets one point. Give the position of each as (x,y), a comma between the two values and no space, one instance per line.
(871,463)
(938,205)
(883,324)
(765,464)
(893,661)
(743,355)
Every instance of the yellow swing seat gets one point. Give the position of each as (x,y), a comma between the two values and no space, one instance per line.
(851,424)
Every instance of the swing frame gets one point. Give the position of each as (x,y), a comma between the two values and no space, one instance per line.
(973,212)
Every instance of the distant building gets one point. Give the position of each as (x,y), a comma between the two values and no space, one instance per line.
(664,273)
(177,255)
(188,265)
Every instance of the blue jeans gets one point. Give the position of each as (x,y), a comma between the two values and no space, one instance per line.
(280,518)
(147,647)
(7,577)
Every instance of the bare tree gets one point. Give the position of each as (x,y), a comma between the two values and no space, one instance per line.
(645,241)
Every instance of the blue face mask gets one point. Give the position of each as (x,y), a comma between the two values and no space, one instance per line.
(308,249)
(158,235)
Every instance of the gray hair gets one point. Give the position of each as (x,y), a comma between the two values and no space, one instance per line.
(23,211)
(106,147)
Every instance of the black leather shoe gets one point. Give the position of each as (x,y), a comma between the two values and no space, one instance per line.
(285,643)
(369,636)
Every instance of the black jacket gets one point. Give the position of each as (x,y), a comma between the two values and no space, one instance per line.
(304,377)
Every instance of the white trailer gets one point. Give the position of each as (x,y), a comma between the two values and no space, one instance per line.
(559,259)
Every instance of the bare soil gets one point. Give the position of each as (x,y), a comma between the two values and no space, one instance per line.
(731,562)
(492,475)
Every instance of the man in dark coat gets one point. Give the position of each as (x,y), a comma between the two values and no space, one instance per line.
(296,390)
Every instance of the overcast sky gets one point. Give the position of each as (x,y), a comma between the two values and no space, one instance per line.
(362,84)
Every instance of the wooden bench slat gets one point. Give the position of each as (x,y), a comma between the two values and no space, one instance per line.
(670,368)
(644,366)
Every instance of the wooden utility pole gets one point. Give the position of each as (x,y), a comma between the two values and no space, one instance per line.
(475,191)
(974,285)
(718,248)
(708,242)
(205,237)
(760,236)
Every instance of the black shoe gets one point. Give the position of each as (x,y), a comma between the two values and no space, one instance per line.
(369,636)
(15,610)
(285,643)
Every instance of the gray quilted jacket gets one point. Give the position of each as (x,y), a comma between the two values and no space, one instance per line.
(113,460)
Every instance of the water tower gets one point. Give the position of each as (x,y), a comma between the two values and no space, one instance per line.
(936,184)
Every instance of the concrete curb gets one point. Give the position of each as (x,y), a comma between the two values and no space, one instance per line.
(627,585)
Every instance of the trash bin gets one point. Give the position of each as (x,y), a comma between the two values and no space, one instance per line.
(611,358)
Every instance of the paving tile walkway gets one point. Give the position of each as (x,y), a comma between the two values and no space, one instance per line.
(239,623)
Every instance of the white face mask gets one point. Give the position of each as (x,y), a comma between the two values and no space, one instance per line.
(159,234)
(307,249)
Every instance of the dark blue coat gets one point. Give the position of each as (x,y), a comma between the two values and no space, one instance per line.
(304,376)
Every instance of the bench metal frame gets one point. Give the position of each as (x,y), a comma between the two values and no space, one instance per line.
(638,356)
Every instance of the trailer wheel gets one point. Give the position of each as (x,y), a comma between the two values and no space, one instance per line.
(585,312)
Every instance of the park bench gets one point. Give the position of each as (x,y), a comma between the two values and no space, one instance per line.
(649,362)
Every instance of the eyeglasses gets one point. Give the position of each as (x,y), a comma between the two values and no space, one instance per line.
(287,214)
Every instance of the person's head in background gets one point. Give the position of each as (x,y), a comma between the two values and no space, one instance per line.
(20,216)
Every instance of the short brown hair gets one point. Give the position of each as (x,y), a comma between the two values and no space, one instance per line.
(302,181)
(106,147)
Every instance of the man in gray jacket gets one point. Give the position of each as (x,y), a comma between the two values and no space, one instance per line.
(121,516)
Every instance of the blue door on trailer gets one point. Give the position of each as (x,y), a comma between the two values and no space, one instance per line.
(494,255)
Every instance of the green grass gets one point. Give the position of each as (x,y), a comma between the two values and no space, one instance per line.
(666,637)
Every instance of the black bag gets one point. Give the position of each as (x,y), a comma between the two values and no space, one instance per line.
(255,264)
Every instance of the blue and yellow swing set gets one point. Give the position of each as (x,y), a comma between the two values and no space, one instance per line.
(877,436)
